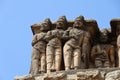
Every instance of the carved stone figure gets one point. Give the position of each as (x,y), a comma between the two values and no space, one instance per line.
(50,38)
(103,53)
(76,46)
(38,64)
(118,46)
(103,56)
(118,43)
(54,46)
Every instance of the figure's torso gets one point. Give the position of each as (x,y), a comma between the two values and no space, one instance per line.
(56,41)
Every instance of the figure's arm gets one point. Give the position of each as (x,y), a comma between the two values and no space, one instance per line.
(118,41)
(40,36)
(88,36)
(34,40)
(73,34)
(48,36)
(65,35)
(86,43)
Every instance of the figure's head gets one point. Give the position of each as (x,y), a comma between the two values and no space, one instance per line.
(104,35)
(47,20)
(61,23)
(44,26)
(79,22)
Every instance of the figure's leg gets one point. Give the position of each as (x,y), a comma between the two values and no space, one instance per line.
(86,51)
(92,56)
(43,62)
(67,51)
(112,56)
(77,58)
(58,58)
(72,61)
(107,64)
(119,57)
(35,61)
(98,63)
(49,57)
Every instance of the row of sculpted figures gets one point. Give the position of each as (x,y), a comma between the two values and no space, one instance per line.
(71,45)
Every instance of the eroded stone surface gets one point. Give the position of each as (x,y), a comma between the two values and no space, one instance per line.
(27,77)
(113,75)
(80,74)
(89,75)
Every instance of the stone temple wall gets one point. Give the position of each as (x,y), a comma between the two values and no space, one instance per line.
(102,67)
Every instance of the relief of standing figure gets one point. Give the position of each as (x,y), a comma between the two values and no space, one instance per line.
(38,64)
(54,46)
(77,46)
(103,53)
(118,43)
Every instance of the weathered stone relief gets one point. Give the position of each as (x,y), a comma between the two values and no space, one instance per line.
(64,46)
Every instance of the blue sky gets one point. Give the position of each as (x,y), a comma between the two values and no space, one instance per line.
(16,16)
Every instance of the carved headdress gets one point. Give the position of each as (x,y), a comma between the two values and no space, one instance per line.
(61,22)
(80,18)
(47,20)
(46,25)
(79,22)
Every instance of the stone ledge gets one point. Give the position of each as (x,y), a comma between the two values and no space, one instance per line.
(80,74)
